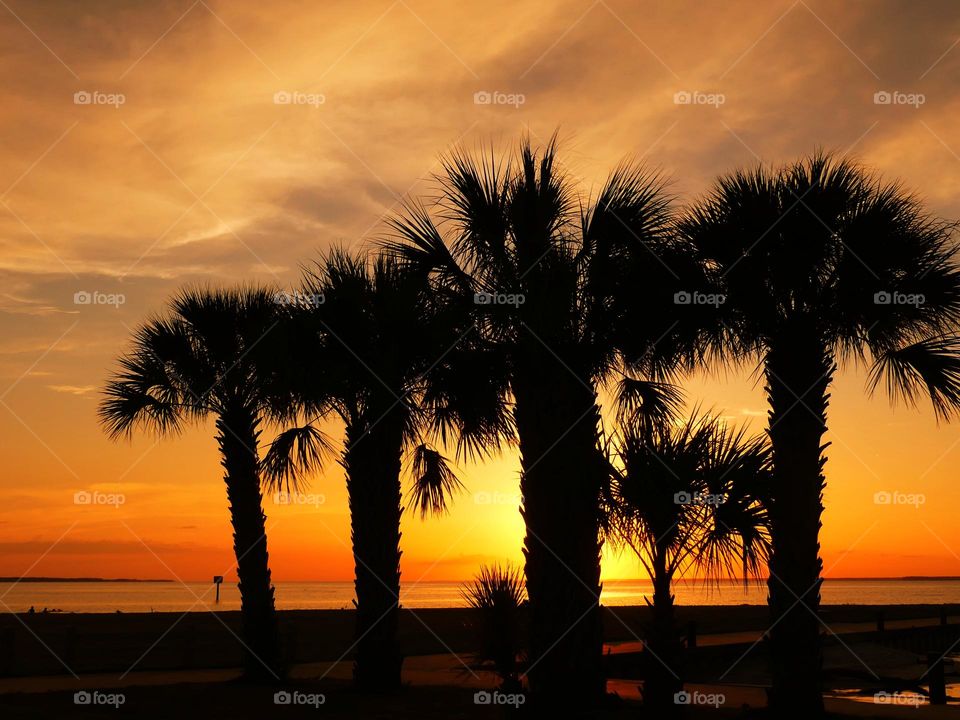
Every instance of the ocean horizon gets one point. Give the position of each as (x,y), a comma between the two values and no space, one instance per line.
(125,595)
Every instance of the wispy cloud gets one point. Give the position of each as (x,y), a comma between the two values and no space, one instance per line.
(73,389)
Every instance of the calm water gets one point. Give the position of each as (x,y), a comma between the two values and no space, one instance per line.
(174,597)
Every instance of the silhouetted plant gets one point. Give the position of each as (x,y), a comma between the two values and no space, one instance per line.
(821,262)
(368,337)
(669,490)
(536,267)
(213,354)
(498,595)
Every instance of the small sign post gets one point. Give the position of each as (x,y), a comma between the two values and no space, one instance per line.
(217,579)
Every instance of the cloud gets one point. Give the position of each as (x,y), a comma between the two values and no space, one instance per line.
(198,177)
(73,389)
(94,548)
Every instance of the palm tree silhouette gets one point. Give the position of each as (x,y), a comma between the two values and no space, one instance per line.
(371,336)
(821,262)
(211,355)
(498,596)
(541,271)
(673,490)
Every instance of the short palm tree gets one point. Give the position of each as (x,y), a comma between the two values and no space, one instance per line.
(213,355)
(370,338)
(821,262)
(497,595)
(671,487)
(511,242)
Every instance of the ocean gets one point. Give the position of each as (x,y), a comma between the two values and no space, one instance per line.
(108,597)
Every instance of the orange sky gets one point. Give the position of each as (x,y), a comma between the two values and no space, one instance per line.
(199,176)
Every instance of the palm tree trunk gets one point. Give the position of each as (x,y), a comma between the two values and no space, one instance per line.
(799,368)
(372,463)
(237,436)
(663,673)
(557,422)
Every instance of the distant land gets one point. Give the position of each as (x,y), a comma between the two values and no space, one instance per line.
(77,580)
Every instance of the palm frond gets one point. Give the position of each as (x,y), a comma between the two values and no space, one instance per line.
(434,481)
(930,367)
(294,453)
(420,246)
(496,587)
(653,404)
(154,388)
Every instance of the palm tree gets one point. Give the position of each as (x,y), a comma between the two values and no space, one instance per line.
(541,269)
(212,355)
(821,262)
(673,489)
(372,336)
(498,596)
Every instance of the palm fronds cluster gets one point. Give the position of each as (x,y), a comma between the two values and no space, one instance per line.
(503,314)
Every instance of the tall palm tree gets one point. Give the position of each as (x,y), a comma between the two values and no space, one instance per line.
(541,267)
(670,492)
(822,262)
(371,336)
(213,355)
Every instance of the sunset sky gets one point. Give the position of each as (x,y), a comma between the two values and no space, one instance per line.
(183,169)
